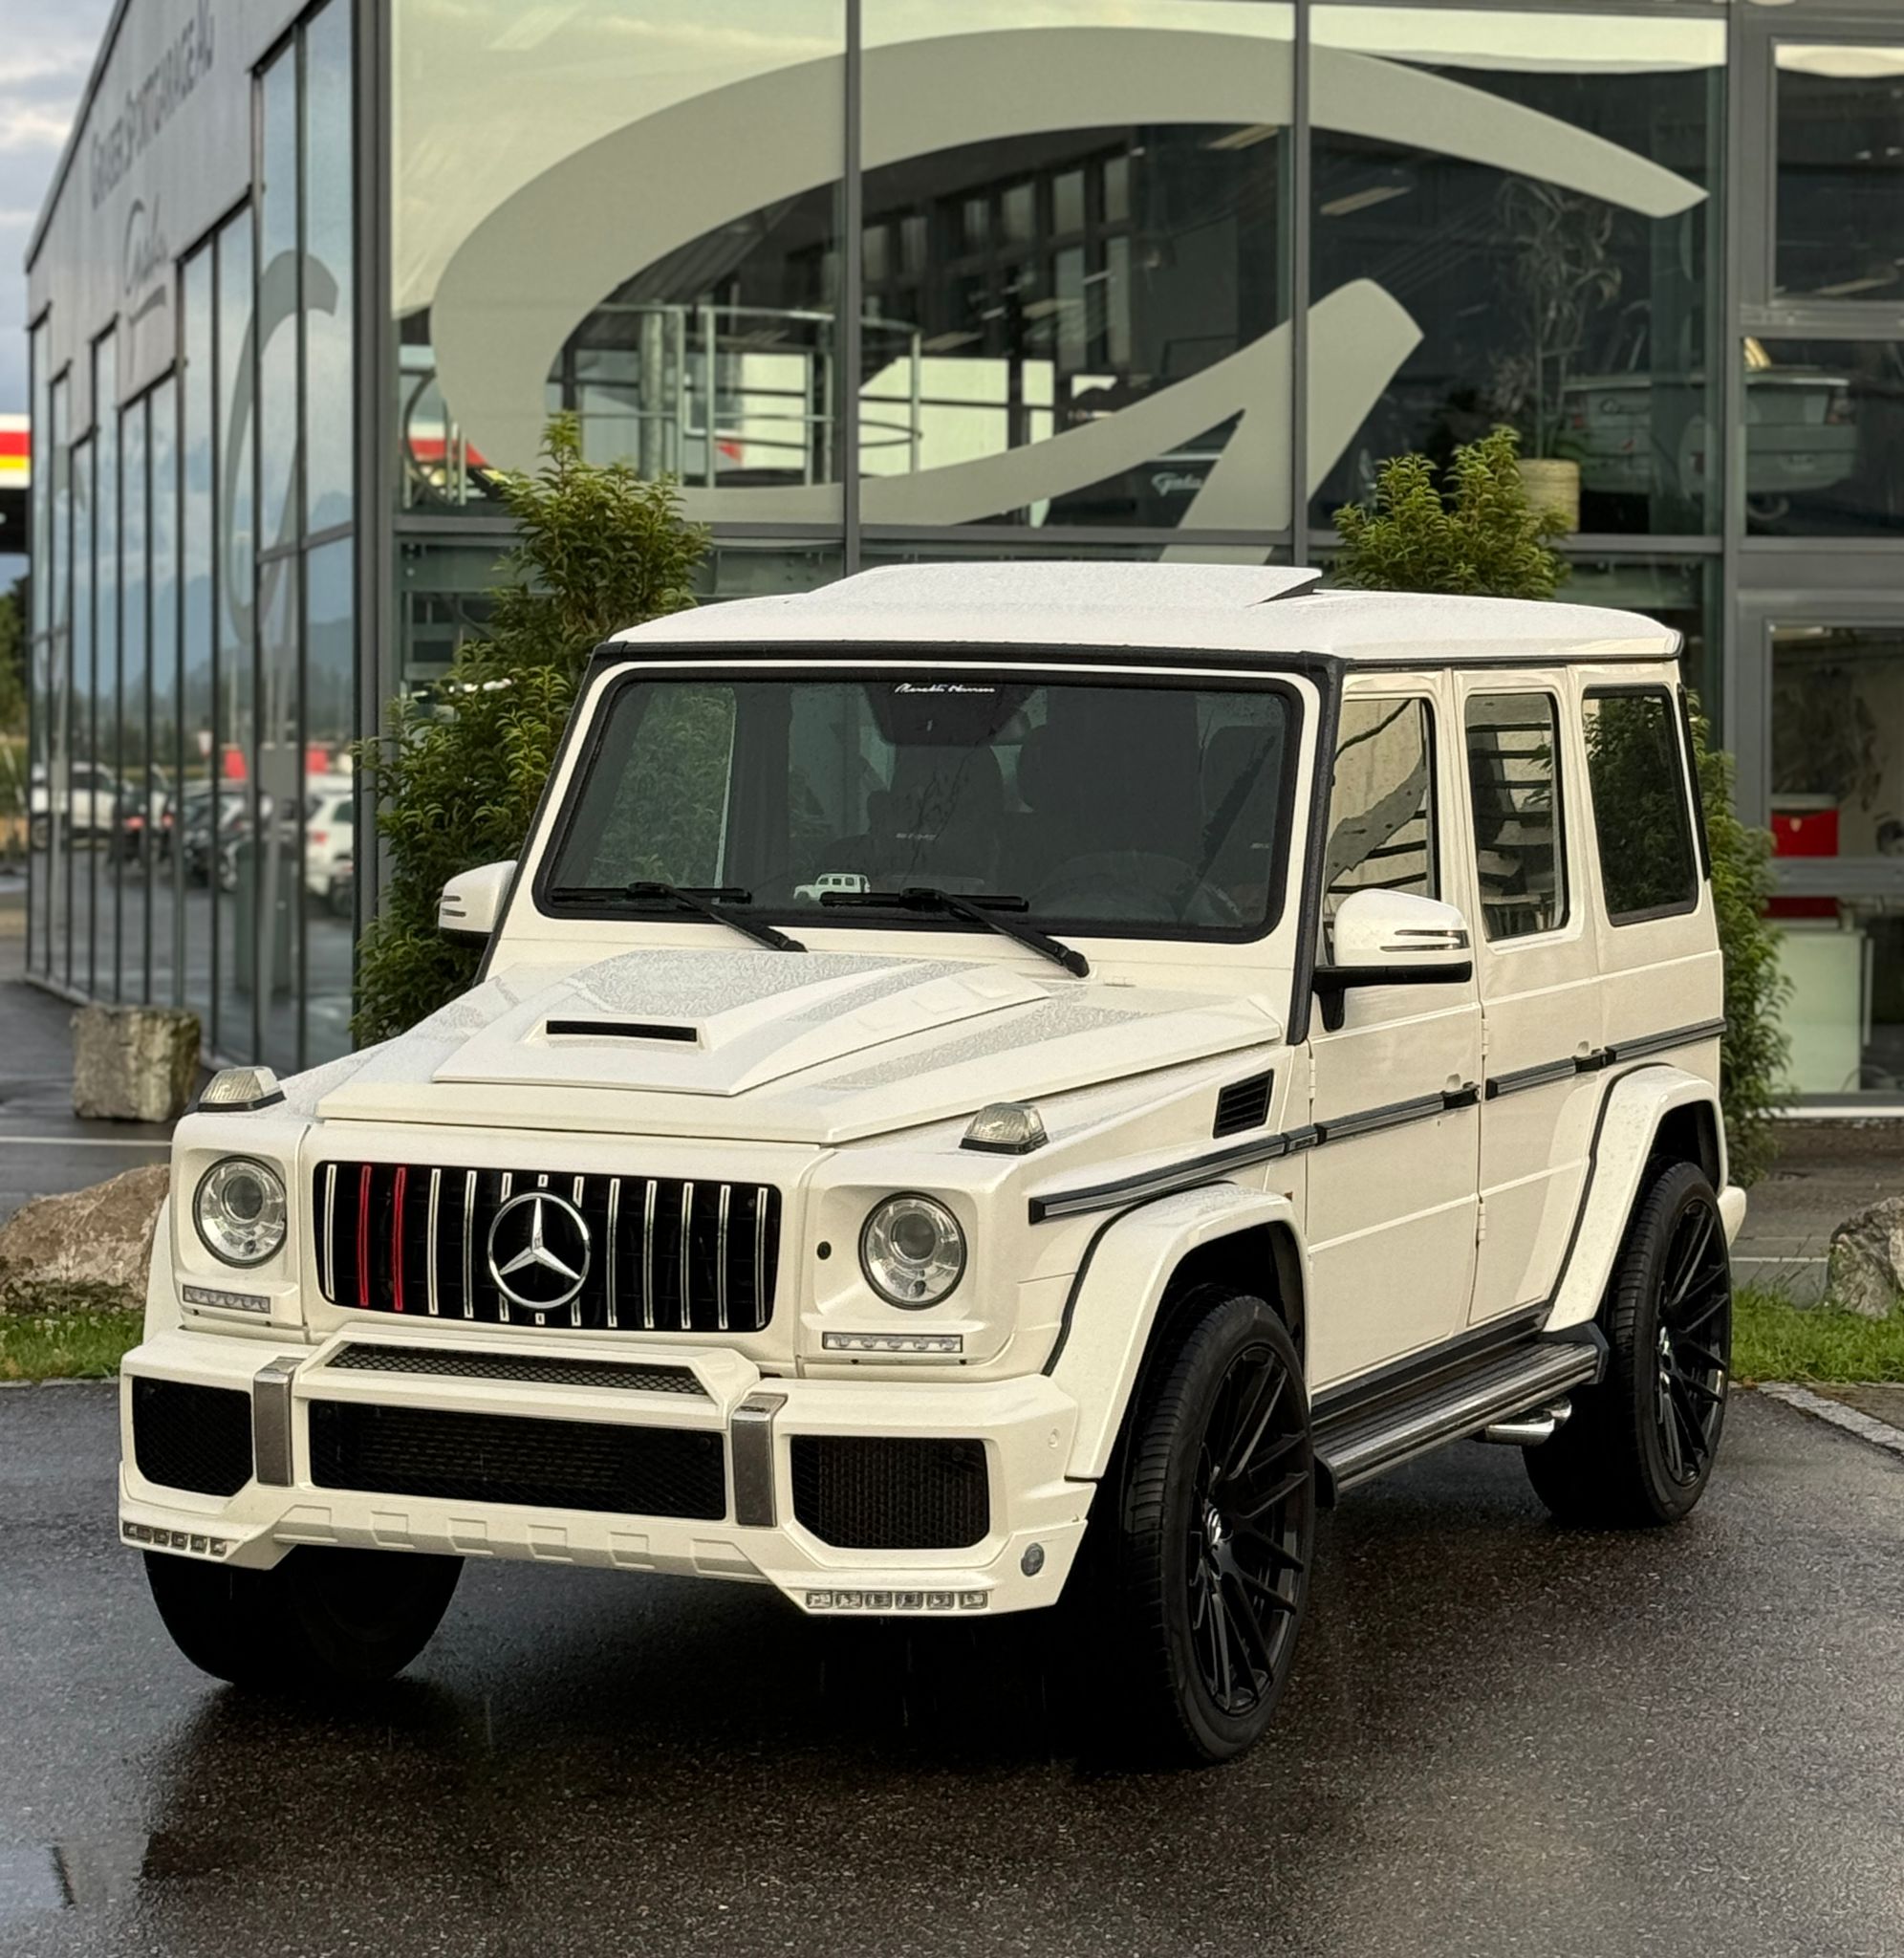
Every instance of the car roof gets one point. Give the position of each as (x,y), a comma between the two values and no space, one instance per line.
(1276,614)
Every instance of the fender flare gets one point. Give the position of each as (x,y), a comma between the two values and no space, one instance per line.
(1118,1288)
(1630,1118)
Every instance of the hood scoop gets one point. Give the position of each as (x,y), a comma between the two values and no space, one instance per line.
(619,1030)
(722,1023)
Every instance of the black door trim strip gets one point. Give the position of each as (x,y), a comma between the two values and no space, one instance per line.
(1216,1163)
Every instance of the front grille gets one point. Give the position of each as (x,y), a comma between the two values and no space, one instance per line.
(190,1437)
(544,1465)
(664,1254)
(889,1492)
(532,1368)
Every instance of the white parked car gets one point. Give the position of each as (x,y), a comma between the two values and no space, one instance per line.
(327,820)
(1280,1037)
(835,882)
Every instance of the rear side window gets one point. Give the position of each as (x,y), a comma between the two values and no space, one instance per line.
(1641,805)
(1513,751)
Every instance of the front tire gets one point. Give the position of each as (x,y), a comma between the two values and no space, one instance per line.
(323,1620)
(1639,1450)
(1207,1575)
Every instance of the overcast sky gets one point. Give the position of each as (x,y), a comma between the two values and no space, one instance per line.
(46,53)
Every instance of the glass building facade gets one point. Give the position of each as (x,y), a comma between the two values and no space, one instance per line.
(904,279)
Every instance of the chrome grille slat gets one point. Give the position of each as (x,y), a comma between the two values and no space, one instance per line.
(687,1255)
(648,1262)
(469,1244)
(430,1260)
(721,1262)
(715,1276)
(614,1244)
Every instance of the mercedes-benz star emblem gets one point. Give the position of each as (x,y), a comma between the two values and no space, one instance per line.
(539,1250)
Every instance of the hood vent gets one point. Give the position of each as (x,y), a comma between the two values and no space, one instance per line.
(619,1029)
(1242,1105)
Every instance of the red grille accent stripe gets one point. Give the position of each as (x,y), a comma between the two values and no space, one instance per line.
(363,1239)
(397,1237)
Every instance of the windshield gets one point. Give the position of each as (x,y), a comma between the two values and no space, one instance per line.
(1137,809)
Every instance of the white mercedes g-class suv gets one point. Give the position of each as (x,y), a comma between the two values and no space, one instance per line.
(986,1082)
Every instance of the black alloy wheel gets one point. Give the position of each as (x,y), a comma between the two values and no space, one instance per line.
(1694,1341)
(1215,1530)
(1640,1446)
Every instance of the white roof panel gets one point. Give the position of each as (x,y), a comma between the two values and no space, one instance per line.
(1225,609)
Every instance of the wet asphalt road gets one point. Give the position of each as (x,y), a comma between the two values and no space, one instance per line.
(1499,1739)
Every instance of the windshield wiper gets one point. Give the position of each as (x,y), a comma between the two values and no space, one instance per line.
(982,909)
(707,900)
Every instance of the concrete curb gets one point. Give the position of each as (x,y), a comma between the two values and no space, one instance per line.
(1866,1426)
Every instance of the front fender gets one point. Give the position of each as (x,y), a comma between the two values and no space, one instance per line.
(1635,1107)
(1118,1288)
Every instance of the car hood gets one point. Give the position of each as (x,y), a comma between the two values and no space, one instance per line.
(820,1047)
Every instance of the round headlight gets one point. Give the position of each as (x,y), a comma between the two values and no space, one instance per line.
(912,1251)
(240,1211)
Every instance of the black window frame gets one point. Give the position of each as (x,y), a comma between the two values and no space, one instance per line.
(1691,814)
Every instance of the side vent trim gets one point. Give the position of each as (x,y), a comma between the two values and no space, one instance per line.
(1242,1105)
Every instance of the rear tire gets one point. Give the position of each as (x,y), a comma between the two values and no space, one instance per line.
(1639,1450)
(1203,1575)
(323,1620)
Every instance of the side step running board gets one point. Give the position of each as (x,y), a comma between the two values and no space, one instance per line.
(1361,1443)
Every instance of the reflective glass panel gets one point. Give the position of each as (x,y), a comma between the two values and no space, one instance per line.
(73,949)
(1642,807)
(1095,328)
(132,705)
(59,569)
(227,856)
(329,295)
(276,845)
(162,528)
(106,607)
(695,331)
(1840,171)
(1837,793)
(1824,437)
(330,840)
(1513,750)
(188,816)
(277,307)
(1512,223)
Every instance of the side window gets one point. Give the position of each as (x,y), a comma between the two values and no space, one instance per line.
(1381,808)
(1641,805)
(1513,751)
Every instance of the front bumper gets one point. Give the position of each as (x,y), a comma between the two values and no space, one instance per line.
(1035,1515)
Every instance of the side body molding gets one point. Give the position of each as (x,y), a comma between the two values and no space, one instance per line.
(1636,1103)
(1118,1288)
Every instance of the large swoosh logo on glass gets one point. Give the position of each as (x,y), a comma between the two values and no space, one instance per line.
(529,270)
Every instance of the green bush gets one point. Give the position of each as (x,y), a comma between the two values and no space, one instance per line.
(1481,536)
(457,781)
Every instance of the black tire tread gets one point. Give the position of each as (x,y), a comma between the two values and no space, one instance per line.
(1595,1472)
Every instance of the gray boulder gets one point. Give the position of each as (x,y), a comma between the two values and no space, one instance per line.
(86,1239)
(134,1063)
(1866,1272)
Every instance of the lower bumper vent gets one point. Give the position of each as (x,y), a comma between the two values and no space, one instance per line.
(192,1436)
(533,1369)
(487,1458)
(890,1492)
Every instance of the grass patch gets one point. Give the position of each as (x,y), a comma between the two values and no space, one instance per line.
(1772,1340)
(66,1345)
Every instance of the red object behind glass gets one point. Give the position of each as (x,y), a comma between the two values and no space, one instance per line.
(1805,826)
